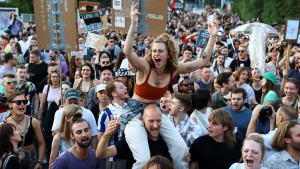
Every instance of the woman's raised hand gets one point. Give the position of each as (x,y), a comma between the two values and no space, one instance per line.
(213,27)
(134,13)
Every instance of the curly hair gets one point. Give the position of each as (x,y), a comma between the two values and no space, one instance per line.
(172,49)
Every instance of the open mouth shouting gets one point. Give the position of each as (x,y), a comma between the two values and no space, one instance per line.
(249,163)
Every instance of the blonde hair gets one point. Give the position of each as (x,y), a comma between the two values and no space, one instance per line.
(282,132)
(223,117)
(257,139)
(64,130)
(172,49)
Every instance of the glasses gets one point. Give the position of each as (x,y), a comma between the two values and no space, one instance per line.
(242,51)
(77,59)
(105,62)
(111,41)
(19,102)
(11,82)
(164,101)
(188,84)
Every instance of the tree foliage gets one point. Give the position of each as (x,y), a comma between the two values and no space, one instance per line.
(267,11)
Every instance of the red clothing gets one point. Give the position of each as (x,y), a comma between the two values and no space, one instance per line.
(149,92)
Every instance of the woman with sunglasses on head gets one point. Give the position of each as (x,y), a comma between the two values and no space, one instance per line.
(10,137)
(86,82)
(51,93)
(291,98)
(75,64)
(154,74)
(29,127)
(62,140)
(242,77)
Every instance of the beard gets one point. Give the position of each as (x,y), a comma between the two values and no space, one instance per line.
(83,145)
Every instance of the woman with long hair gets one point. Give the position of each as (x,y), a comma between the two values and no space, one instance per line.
(253,152)
(51,93)
(10,137)
(214,86)
(86,82)
(242,77)
(154,74)
(16,48)
(220,148)
(218,67)
(269,91)
(62,140)
(75,64)
(291,98)
(29,127)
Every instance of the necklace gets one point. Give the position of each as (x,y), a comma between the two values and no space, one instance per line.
(157,77)
(18,121)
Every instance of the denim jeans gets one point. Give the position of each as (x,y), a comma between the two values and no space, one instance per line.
(137,139)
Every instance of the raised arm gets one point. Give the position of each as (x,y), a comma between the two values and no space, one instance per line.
(103,151)
(205,55)
(138,63)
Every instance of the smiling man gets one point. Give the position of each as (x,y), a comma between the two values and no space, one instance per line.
(241,115)
(152,121)
(80,155)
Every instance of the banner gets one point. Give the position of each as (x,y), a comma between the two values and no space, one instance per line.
(92,21)
(202,39)
(91,40)
(56,24)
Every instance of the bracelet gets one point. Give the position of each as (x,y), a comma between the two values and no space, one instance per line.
(39,162)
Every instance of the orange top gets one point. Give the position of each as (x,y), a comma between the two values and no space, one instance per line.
(149,92)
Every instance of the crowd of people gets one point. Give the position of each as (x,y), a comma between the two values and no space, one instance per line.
(146,102)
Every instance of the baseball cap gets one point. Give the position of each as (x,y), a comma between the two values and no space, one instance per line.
(271,76)
(100,87)
(7,31)
(72,94)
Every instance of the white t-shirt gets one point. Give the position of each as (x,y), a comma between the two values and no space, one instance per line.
(53,94)
(86,114)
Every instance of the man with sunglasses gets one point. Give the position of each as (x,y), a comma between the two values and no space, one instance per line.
(9,84)
(243,59)
(113,49)
(186,85)
(10,61)
(72,96)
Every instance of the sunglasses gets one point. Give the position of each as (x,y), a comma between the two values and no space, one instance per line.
(111,41)
(11,82)
(242,51)
(19,102)
(77,59)
(105,62)
(188,84)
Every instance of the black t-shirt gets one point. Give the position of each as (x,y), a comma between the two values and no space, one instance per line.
(13,162)
(212,154)
(38,73)
(235,64)
(42,84)
(156,148)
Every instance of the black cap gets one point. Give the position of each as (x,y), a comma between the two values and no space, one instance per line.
(107,68)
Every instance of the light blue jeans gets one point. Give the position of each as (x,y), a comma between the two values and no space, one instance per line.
(137,139)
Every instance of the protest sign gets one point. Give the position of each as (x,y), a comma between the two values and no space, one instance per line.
(91,40)
(202,39)
(153,13)
(56,24)
(82,50)
(92,21)
(86,7)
